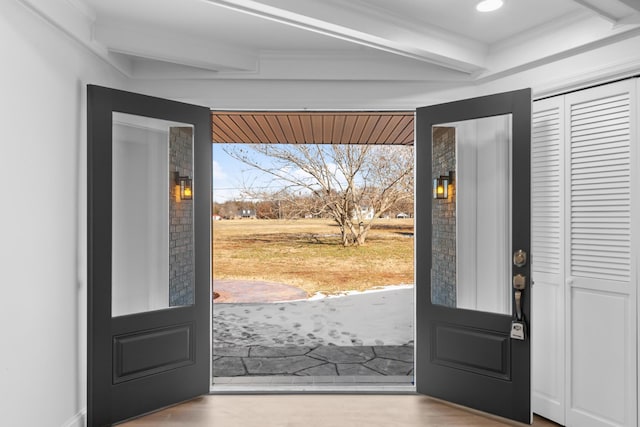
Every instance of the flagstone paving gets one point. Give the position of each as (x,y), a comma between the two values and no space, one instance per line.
(329,360)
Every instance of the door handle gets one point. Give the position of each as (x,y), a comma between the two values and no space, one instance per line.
(519,281)
(518,299)
(518,326)
(519,284)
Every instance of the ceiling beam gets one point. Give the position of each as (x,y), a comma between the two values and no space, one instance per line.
(349,65)
(629,20)
(160,45)
(609,17)
(633,4)
(618,12)
(376,35)
(558,40)
(75,19)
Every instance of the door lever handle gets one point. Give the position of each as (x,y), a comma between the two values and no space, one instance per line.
(518,301)
(519,284)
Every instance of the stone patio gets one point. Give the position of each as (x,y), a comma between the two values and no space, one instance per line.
(322,360)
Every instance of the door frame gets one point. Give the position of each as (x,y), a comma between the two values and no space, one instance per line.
(252,388)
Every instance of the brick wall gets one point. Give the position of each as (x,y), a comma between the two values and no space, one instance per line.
(181,282)
(443,273)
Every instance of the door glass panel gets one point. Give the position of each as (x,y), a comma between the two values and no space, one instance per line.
(152,214)
(471,239)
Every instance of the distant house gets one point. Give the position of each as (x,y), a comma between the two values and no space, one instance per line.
(402,215)
(247,213)
(365,213)
(216,217)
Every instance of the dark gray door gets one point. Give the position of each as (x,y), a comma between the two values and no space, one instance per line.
(149,192)
(473,253)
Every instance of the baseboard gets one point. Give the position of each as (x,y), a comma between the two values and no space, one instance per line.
(78,420)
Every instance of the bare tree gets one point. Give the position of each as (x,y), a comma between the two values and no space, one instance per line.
(354,184)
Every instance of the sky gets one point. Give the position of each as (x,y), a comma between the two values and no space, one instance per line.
(230,176)
(227,175)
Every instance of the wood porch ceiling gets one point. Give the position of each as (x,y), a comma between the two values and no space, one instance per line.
(318,127)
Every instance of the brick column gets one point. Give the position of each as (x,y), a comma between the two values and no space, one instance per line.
(443,273)
(181,286)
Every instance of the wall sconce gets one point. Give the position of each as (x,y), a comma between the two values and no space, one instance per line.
(441,185)
(186,187)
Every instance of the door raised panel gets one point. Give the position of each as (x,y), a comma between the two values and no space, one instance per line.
(600,358)
(143,353)
(491,357)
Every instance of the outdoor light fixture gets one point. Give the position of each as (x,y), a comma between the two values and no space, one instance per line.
(489,5)
(441,186)
(186,187)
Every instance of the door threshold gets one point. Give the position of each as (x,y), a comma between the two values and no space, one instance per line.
(311,389)
(313,384)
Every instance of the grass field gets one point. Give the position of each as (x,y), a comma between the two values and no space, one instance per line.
(307,254)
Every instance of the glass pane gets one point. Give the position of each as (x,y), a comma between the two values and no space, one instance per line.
(152,235)
(471,243)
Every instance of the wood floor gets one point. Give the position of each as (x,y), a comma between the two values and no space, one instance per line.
(319,411)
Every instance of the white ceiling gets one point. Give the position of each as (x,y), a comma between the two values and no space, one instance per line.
(410,40)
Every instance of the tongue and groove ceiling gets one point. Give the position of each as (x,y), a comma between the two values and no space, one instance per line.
(439,42)
(389,128)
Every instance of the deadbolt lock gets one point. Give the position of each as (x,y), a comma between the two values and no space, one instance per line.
(519,258)
(519,282)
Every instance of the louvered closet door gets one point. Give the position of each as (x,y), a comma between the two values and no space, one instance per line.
(547,249)
(602,328)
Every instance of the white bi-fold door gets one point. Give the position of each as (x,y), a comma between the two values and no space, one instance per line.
(585,256)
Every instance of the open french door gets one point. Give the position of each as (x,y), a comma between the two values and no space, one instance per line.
(149,190)
(473,253)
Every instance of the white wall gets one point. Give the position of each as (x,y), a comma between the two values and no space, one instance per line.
(42,219)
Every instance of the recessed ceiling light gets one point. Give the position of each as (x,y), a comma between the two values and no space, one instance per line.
(489,5)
